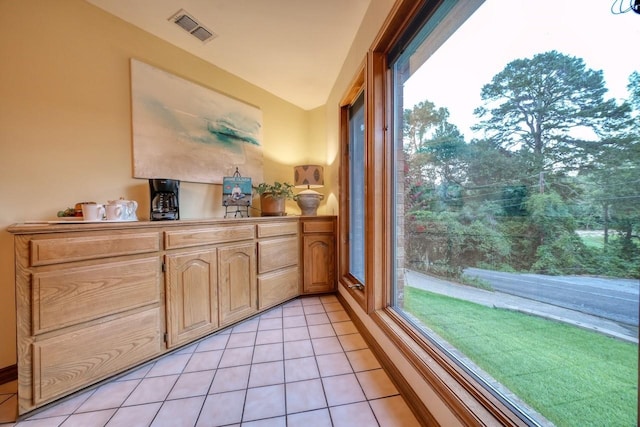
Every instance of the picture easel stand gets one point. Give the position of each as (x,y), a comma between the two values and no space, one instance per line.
(236,193)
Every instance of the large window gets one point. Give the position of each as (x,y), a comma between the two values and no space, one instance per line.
(356,152)
(516,200)
(352,268)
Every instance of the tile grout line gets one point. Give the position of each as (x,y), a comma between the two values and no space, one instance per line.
(324,391)
(204,401)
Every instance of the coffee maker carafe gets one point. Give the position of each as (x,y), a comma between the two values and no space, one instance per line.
(164,199)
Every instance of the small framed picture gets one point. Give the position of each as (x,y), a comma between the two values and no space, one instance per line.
(236,191)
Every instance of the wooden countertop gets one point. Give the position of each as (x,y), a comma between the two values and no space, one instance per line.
(61,226)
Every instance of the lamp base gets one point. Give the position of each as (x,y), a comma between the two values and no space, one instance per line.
(308,202)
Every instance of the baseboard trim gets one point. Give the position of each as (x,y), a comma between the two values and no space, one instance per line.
(8,374)
(416,404)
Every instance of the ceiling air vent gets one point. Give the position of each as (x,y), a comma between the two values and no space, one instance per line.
(202,33)
(188,23)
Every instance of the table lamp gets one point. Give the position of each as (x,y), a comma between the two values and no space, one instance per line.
(308,176)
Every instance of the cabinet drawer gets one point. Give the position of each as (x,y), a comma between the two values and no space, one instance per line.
(277,253)
(74,295)
(207,236)
(75,360)
(277,229)
(66,249)
(317,226)
(274,288)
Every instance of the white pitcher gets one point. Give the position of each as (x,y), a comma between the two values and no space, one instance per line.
(128,209)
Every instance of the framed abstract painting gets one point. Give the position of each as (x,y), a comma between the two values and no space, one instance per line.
(187,132)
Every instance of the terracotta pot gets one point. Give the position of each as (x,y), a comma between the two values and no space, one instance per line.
(272,206)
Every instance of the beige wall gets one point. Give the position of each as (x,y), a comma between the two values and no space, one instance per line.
(373,20)
(65,121)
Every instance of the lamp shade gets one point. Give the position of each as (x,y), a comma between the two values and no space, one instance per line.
(308,176)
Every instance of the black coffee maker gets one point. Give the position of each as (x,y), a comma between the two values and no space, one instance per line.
(164,199)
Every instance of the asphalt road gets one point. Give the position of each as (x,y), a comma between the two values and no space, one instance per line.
(613,299)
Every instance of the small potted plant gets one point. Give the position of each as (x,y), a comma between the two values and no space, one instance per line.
(273,197)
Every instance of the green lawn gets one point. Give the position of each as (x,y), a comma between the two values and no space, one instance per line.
(593,241)
(572,376)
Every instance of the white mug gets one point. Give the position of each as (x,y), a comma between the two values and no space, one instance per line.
(113,212)
(92,212)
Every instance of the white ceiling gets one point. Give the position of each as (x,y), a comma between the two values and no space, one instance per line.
(291,48)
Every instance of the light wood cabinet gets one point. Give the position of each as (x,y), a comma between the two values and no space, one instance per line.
(88,304)
(237,286)
(318,255)
(79,293)
(278,263)
(278,253)
(277,287)
(211,278)
(96,299)
(72,360)
(209,235)
(192,295)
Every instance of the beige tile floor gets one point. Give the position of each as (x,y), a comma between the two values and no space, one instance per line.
(301,364)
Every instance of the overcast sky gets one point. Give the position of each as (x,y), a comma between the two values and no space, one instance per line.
(482,47)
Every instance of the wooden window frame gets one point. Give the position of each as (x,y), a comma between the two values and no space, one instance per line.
(345,278)
(472,403)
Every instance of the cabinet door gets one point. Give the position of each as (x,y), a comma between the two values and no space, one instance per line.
(192,305)
(237,282)
(319,263)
